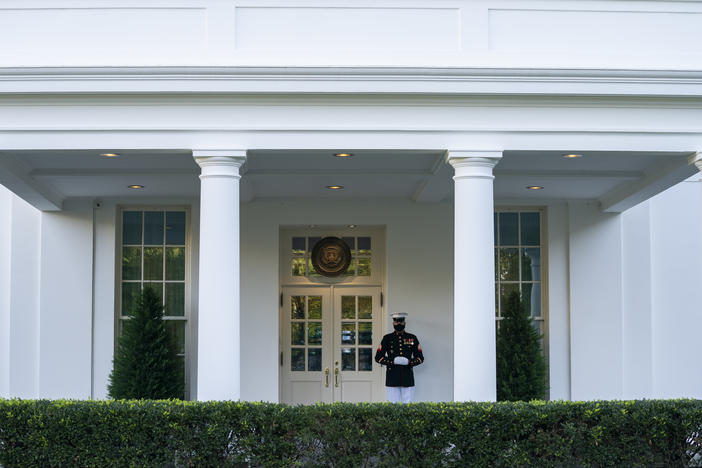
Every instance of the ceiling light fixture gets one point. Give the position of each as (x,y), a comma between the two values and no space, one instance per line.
(110,155)
(343,155)
(335,187)
(135,186)
(572,156)
(535,187)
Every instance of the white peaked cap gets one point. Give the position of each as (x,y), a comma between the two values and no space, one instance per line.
(399,315)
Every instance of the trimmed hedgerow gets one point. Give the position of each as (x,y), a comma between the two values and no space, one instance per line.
(177,433)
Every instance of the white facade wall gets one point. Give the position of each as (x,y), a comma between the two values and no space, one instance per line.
(20,250)
(595,261)
(5,250)
(624,328)
(676,321)
(65,302)
(419,278)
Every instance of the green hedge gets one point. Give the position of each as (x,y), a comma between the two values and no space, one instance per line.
(175,433)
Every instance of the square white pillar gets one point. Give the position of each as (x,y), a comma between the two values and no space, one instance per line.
(219,342)
(474,375)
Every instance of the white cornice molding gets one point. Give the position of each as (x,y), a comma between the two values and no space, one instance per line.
(518,81)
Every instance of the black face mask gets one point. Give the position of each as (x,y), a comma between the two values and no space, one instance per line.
(399,326)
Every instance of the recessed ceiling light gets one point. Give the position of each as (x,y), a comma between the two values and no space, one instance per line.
(335,187)
(343,155)
(135,186)
(535,187)
(110,155)
(572,156)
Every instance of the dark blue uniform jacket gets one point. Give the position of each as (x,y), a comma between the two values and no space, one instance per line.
(399,344)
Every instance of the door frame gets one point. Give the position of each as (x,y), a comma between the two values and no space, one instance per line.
(378,278)
(331,343)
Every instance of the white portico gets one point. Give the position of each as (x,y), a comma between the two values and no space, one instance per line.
(193,155)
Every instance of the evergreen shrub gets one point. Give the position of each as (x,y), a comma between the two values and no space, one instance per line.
(521,368)
(146,364)
(213,434)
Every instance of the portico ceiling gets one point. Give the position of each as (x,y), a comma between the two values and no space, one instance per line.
(617,180)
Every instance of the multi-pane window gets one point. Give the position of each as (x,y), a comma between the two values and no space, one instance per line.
(301,261)
(153,254)
(306,333)
(356,333)
(518,262)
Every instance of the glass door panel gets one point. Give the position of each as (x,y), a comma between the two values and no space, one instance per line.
(357,332)
(306,345)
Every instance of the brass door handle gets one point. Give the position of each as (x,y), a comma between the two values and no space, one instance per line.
(336,377)
(326,377)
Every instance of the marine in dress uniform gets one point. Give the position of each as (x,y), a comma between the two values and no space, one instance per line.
(399,352)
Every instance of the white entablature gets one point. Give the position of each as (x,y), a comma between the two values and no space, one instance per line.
(615,34)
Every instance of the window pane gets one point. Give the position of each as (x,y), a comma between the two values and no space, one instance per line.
(348,333)
(297,307)
(509,235)
(365,333)
(298,245)
(364,267)
(530,228)
(348,359)
(314,359)
(312,273)
(131,263)
(364,245)
(312,241)
(175,263)
(131,227)
(129,293)
(508,264)
(297,359)
(153,263)
(153,228)
(175,227)
(298,266)
(314,333)
(351,270)
(365,359)
(157,287)
(351,242)
(365,307)
(175,299)
(348,307)
(531,295)
(531,264)
(176,329)
(297,333)
(505,291)
(314,307)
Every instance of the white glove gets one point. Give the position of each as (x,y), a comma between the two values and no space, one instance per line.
(401,361)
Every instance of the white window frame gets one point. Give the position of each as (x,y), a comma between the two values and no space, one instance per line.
(377,256)
(187,312)
(543,243)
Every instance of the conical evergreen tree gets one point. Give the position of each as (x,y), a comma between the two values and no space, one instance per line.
(146,364)
(521,369)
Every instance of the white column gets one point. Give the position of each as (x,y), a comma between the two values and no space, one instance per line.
(218,351)
(696,159)
(474,374)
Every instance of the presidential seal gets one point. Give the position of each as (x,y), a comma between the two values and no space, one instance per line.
(331,257)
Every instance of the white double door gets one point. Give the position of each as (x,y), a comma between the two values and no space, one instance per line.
(328,339)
